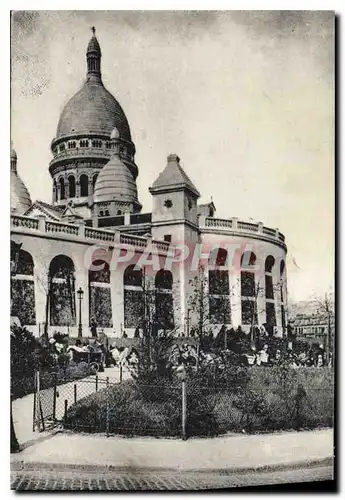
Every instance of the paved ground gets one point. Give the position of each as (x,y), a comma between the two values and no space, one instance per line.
(22,408)
(228,452)
(126,481)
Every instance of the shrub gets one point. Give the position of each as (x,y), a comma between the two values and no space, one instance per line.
(135,408)
(281,397)
(259,399)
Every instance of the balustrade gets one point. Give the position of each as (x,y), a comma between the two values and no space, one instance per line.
(136,241)
(268,231)
(22,221)
(211,222)
(241,226)
(60,227)
(98,234)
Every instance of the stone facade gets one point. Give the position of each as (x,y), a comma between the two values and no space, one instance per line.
(241,272)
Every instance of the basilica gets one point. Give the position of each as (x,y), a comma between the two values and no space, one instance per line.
(95,208)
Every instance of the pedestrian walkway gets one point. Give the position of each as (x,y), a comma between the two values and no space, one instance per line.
(22,408)
(221,453)
(83,480)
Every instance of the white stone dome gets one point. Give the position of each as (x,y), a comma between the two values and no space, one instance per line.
(20,197)
(115,183)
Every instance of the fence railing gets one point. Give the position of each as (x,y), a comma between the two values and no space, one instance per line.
(181,409)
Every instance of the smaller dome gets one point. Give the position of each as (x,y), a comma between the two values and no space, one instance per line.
(115,183)
(115,134)
(20,198)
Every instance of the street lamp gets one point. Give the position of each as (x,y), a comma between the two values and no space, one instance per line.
(80,294)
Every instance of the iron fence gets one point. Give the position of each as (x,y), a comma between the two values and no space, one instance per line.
(100,404)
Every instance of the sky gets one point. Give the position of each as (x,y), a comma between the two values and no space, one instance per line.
(245,98)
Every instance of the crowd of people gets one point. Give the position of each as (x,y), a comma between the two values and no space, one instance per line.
(259,347)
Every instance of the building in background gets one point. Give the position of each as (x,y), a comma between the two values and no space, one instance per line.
(314,328)
(94,200)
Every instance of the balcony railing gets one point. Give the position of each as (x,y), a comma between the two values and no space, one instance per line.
(211,222)
(234,225)
(81,231)
(24,222)
(60,227)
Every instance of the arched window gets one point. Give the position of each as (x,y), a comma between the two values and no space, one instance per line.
(62,292)
(55,191)
(164,317)
(282,299)
(94,179)
(100,309)
(106,213)
(71,186)
(248,289)
(119,212)
(62,189)
(101,213)
(133,297)
(22,286)
(269,294)
(218,288)
(84,185)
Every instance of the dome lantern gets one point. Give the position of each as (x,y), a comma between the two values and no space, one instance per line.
(93,57)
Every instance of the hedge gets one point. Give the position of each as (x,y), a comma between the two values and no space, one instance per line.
(272,399)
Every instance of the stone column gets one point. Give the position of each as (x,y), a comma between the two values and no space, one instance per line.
(260,282)
(277,298)
(235,295)
(117,299)
(41,223)
(41,295)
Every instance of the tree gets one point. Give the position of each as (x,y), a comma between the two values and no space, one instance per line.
(156,341)
(326,307)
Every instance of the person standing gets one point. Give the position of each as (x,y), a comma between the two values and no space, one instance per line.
(93,328)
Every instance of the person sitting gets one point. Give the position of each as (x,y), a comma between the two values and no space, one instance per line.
(263,356)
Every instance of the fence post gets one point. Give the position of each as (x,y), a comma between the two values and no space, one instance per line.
(107,415)
(96,382)
(121,372)
(37,410)
(184,410)
(65,413)
(75,393)
(54,396)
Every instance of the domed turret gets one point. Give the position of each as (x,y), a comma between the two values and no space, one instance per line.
(115,184)
(82,137)
(20,197)
(93,108)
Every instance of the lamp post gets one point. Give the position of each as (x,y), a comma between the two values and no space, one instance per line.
(188,321)
(15,250)
(80,294)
